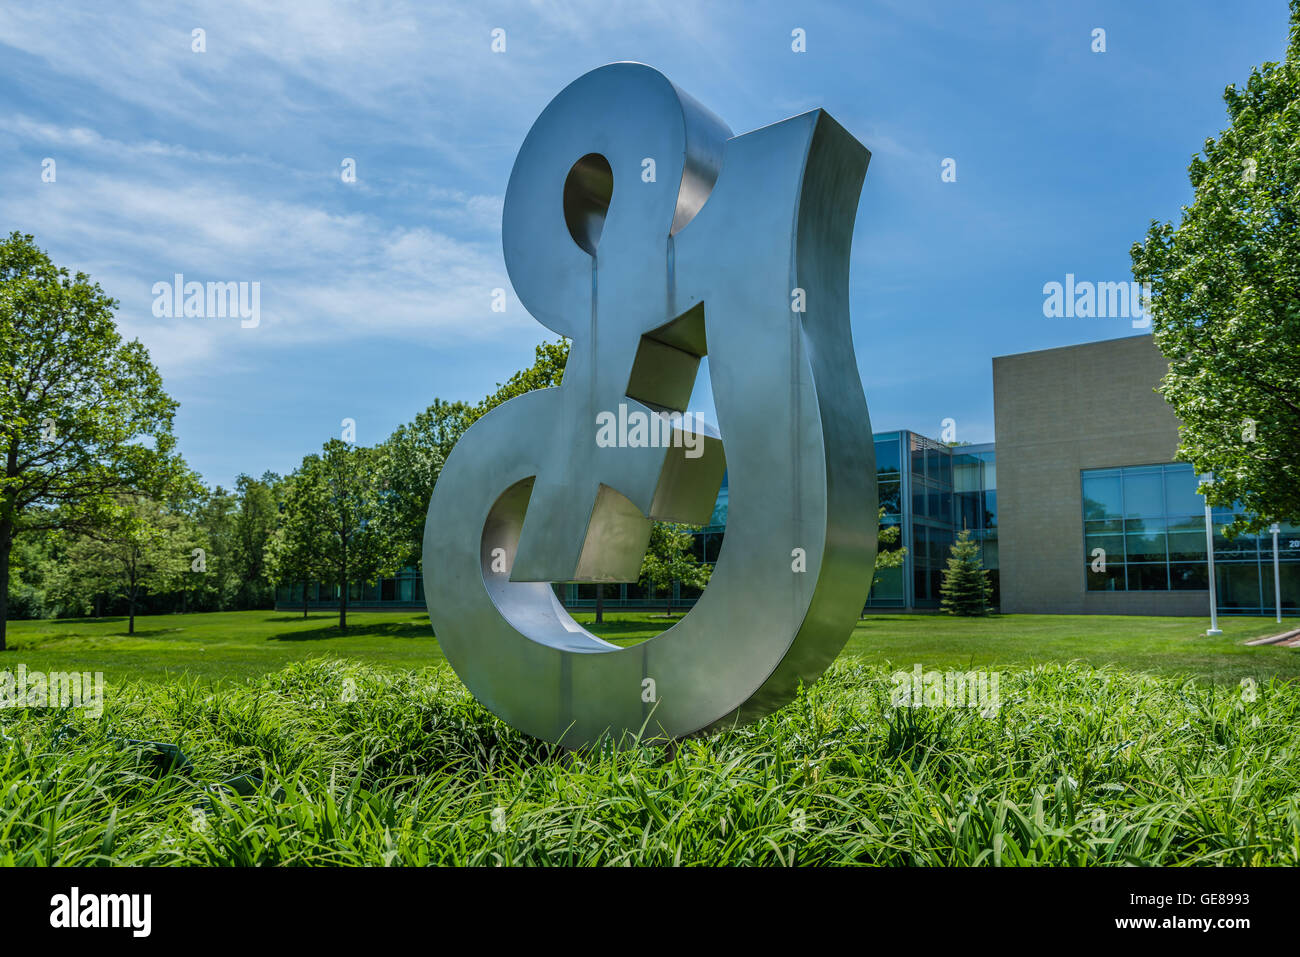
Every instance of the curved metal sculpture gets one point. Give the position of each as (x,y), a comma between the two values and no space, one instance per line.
(639,227)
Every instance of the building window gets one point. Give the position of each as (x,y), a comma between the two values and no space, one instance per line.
(889,498)
(887,458)
(719,517)
(1143,529)
(1151,524)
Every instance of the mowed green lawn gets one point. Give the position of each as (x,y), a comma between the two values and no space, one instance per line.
(1168,646)
(238,645)
(218,645)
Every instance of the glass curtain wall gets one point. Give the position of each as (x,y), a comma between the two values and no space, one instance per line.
(928,490)
(1144,530)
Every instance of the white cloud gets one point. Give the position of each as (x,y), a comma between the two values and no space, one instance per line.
(83,138)
(223,165)
(325,276)
(395,60)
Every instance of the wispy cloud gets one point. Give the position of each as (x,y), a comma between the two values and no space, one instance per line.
(326,276)
(225,166)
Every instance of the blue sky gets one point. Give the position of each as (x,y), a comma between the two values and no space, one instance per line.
(375,295)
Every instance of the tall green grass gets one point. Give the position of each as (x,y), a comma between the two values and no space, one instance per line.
(364,766)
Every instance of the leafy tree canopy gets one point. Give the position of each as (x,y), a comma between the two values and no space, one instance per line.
(1225,295)
(83,415)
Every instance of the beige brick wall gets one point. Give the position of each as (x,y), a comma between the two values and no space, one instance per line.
(1057,412)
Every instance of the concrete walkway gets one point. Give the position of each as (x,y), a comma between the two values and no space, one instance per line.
(1288,639)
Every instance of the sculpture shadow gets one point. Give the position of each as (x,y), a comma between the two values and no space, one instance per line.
(406,630)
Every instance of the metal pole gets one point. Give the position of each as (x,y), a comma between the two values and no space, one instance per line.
(1277,572)
(1208,478)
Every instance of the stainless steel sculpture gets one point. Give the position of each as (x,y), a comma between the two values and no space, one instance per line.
(640,228)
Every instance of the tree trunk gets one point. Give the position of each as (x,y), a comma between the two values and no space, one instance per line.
(131,592)
(6,546)
(600,604)
(343,593)
(99,605)
(304,599)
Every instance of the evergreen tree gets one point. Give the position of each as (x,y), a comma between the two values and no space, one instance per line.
(965,589)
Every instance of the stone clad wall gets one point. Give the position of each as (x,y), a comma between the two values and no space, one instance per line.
(1057,412)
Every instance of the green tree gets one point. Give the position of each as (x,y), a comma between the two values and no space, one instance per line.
(295,552)
(669,558)
(409,463)
(355,548)
(256,516)
(213,512)
(410,460)
(546,372)
(141,548)
(1225,297)
(78,578)
(83,415)
(29,594)
(965,589)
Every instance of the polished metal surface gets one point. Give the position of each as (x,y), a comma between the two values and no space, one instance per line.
(646,275)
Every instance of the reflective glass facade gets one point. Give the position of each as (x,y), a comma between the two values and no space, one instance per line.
(1144,530)
(405,590)
(928,489)
(932,491)
(890,590)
